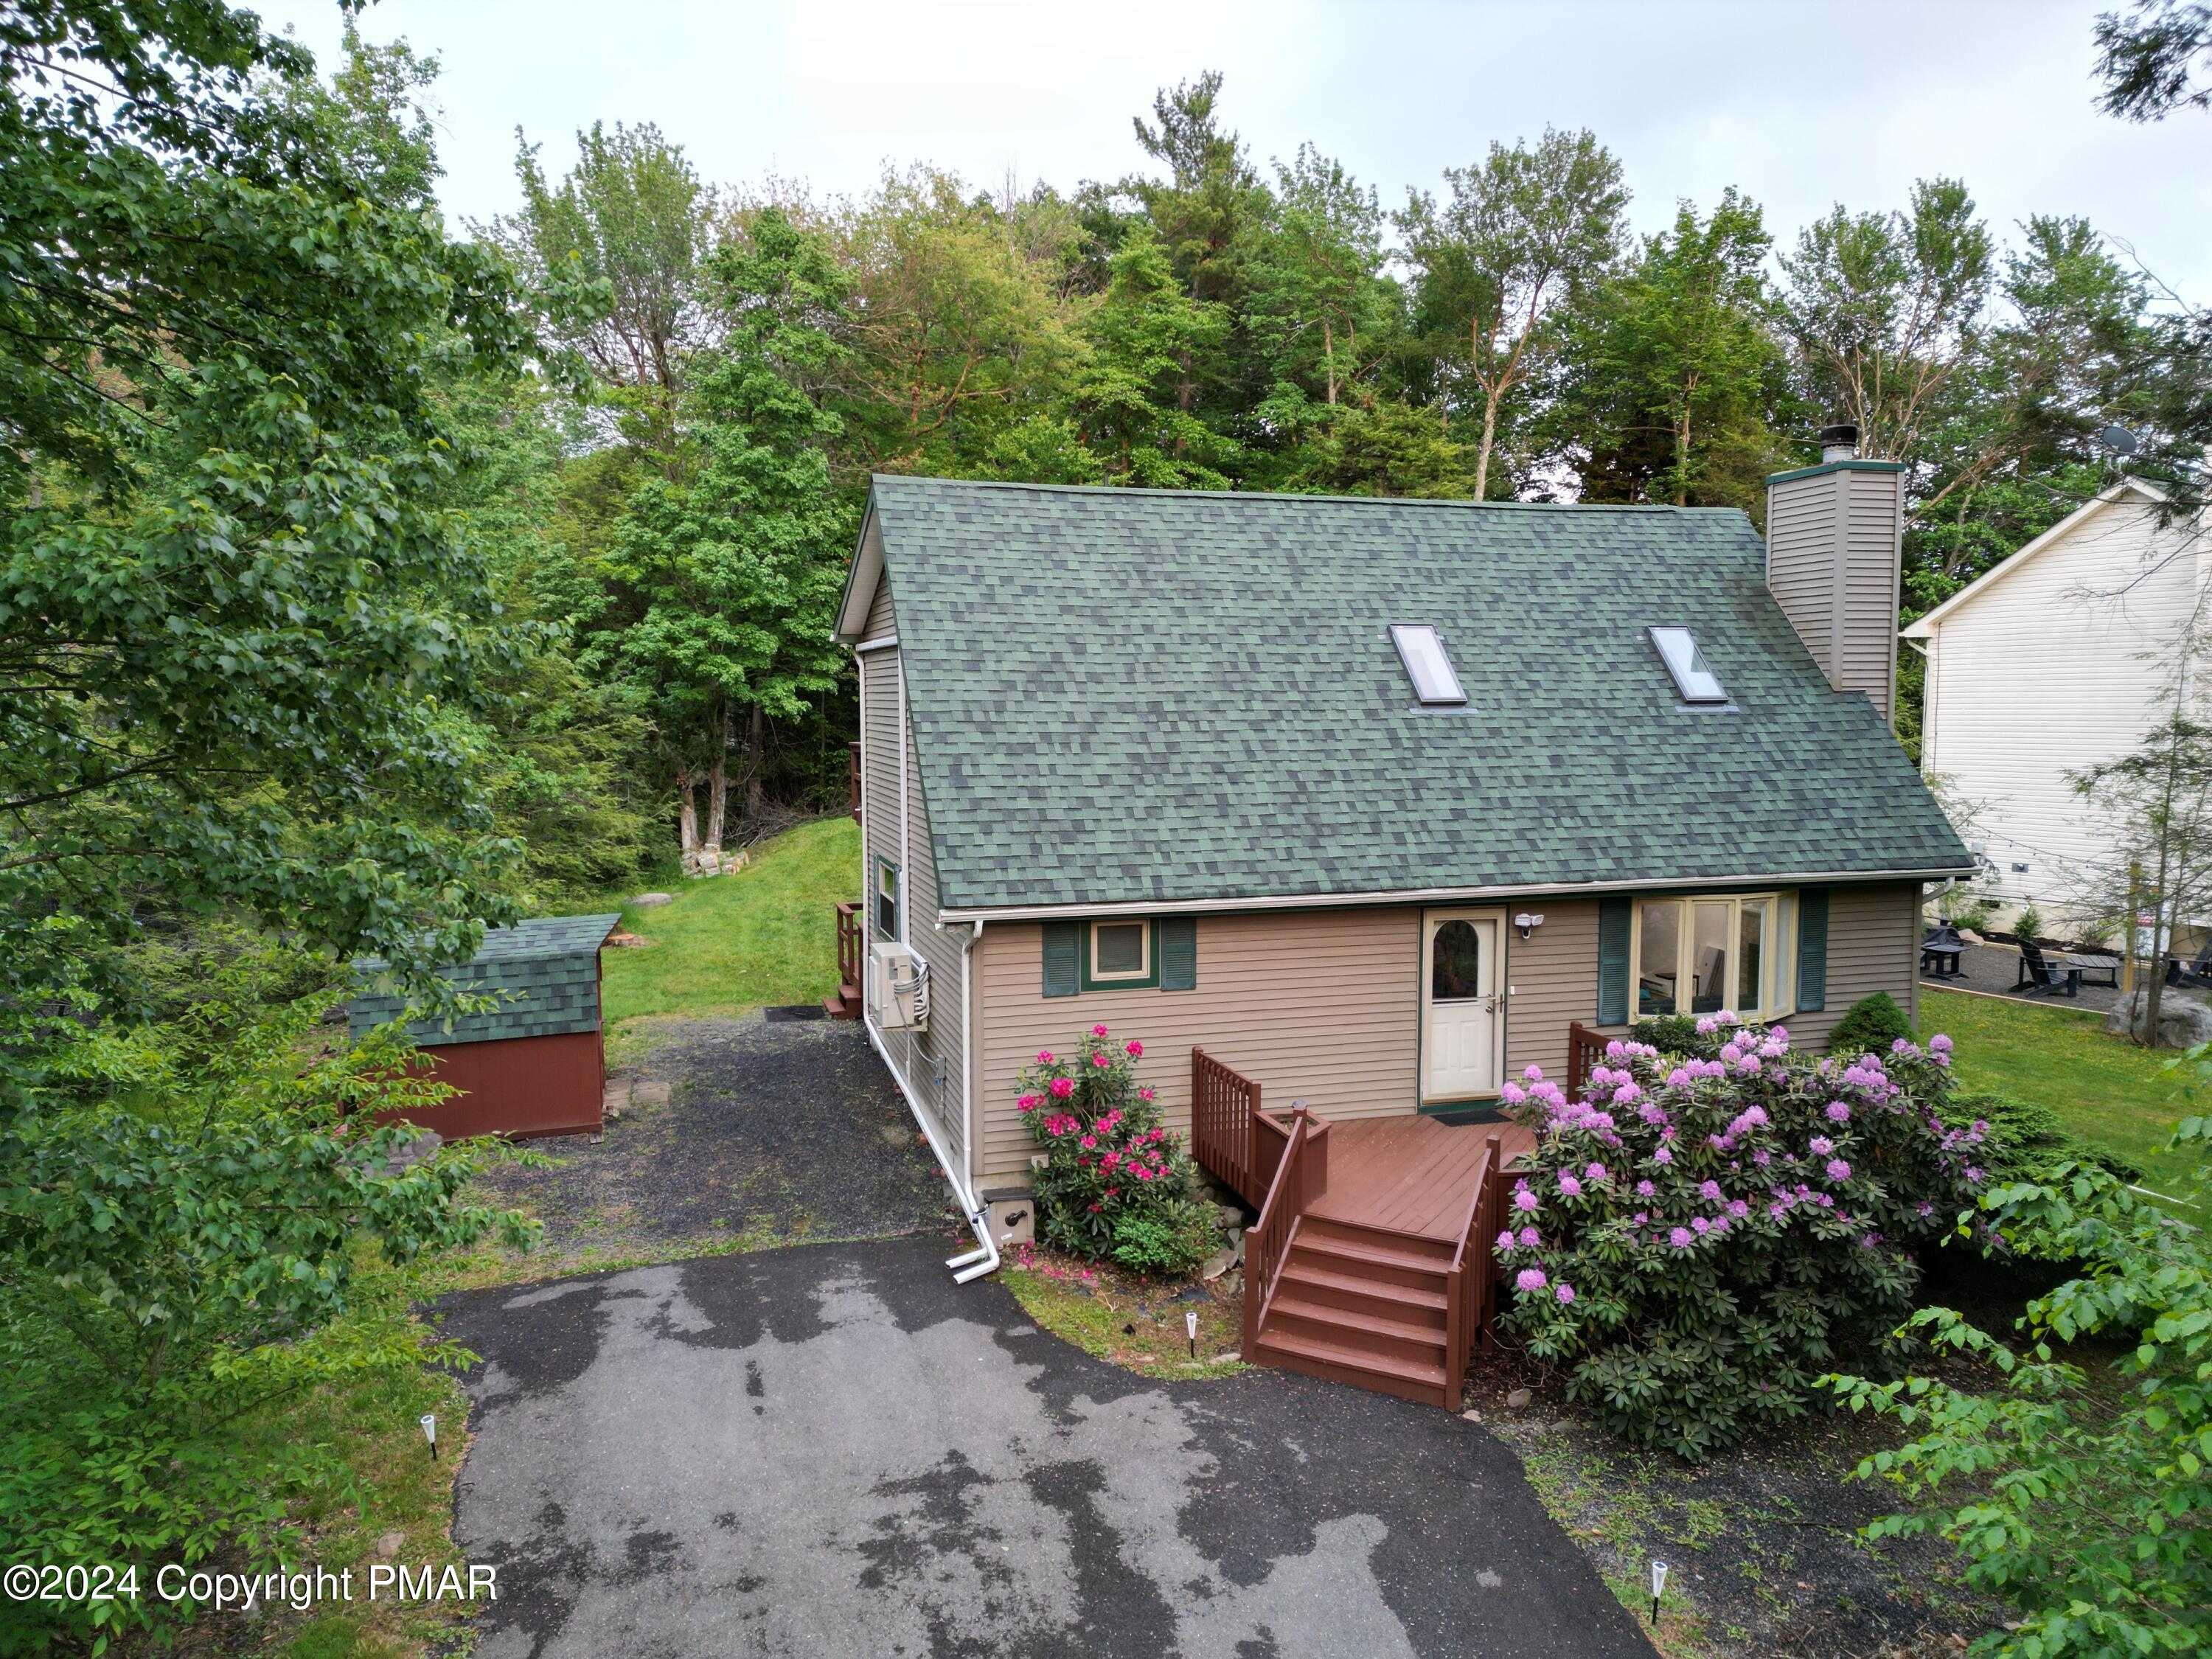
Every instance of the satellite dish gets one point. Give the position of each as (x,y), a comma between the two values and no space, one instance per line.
(2118,440)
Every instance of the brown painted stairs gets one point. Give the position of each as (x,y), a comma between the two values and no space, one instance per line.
(1364,1305)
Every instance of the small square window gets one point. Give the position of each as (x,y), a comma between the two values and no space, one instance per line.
(1693,678)
(1427,663)
(887,899)
(1120,955)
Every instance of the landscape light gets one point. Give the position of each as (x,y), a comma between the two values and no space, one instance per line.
(1190,1324)
(1658,1585)
(430,1432)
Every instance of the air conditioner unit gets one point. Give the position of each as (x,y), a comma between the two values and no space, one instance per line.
(898,987)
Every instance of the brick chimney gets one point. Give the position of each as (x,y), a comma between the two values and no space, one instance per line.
(1834,537)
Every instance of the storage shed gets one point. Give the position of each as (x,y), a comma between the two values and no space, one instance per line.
(536,1064)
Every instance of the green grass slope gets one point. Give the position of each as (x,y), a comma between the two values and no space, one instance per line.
(763,936)
(2104,1088)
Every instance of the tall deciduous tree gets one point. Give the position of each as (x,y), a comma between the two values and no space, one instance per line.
(732,572)
(1320,304)
(1145,334)
(1675,369)
(2155,59)
(1522,233)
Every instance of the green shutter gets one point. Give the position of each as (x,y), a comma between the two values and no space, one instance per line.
(1811,951)
(1063,958)
(1613,961)
(1178,948)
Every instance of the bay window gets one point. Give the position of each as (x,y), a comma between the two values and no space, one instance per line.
(1704,955)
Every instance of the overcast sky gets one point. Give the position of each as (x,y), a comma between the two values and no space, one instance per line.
(1800,105)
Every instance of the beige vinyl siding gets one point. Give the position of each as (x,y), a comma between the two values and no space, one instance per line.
(1319,1006)
(895,826)
(1554,976)
(1874,944)
(1831,564)
(882,623)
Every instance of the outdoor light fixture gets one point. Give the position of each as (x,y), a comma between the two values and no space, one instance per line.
(1658,1585)
(1527,923)
(430,1433)
(1190,1324)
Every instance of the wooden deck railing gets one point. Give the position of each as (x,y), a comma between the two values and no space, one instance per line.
(852,777)
(1471,1291)
(851,956)
(1585,1048)
(1223,1106)
(1267,1241)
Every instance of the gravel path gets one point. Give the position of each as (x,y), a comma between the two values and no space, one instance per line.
(736,1130)
(1995,969)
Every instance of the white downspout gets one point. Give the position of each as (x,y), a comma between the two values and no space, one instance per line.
(975,1263)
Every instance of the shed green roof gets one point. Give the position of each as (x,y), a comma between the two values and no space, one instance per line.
(547,968)
(1161,696)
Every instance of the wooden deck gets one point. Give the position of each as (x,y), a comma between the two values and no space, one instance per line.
(1369,1262)
(1409,1175)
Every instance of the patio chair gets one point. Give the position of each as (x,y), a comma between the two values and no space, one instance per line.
(2197,971)
(2039,977)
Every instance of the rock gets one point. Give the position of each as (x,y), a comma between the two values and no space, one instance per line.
(2182,1021)
(1519,1398)
(1472,1417)
(388,1546)
(1971,937)
(1230,1357)
(1237,1246)
(1232,1216)
(1218,1264)
(647,900)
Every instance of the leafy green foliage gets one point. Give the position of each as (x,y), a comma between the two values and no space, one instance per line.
(1696,1239)
(1869,1026)
(2025,1138)
(1114,1183)
(2079,1500)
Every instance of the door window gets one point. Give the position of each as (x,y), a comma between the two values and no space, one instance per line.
(1456,962)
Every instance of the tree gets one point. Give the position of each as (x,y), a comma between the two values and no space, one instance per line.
(1319,303)
(2149,59)
(1886,309)
(1673,370)
(1522,232)
(1131,394)
(732,574)
(613,257)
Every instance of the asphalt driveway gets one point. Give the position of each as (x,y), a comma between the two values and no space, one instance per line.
(833,1450)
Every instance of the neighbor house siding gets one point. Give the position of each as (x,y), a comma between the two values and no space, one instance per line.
(1319,1006)
(894,824)
(2059,665)
(1554,976)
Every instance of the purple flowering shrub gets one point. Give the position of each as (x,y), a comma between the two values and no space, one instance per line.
(1699,1236)
(1113,1182)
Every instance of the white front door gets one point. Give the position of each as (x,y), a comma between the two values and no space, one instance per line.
(1463,973)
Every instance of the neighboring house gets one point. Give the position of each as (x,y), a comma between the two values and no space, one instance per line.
(2059,659)
(1376,801)
(534,1062)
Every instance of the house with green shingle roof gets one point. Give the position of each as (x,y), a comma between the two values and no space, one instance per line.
(1376,801)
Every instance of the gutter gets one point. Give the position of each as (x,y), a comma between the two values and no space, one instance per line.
(976,1262)
(1444,895)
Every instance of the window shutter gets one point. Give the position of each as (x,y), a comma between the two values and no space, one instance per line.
(1178,948)
(1811,951)
(1063,958)
(1612,962)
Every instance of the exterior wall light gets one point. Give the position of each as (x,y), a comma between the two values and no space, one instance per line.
(1528,924)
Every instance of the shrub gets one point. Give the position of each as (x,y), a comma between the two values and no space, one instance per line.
(2024,1140)
(1110,1165)
(1869,1027)
(2083,1504)
(2028,924)
(1699,1236)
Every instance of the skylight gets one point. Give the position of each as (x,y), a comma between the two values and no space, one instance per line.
(1427,664)
(1678,649)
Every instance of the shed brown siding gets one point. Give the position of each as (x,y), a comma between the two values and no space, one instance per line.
(515,1087)
(895,826)
(1319,1005)
(1553,975)
(1831,564)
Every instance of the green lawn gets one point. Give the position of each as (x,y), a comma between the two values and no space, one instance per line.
(2103,1088)
(763,936)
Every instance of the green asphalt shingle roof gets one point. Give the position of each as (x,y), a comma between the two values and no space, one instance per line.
(549,967)
(1150,696)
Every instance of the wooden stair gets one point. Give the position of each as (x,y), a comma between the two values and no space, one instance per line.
(844,1002)
(1364,1305)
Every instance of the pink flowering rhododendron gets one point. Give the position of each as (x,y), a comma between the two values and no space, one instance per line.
(1772,1213)
(1529,1279)
(1113,1181)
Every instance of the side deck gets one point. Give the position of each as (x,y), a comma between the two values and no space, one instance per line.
(1371,1261)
